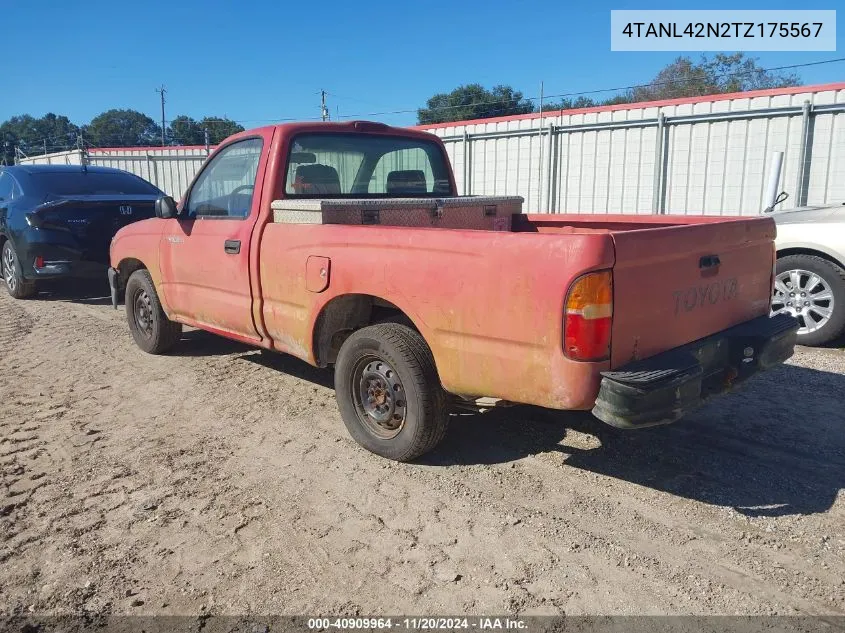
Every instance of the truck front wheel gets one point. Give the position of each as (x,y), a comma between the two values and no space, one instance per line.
(152,330)
(389,393)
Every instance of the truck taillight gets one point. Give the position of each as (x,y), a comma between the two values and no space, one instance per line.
(588,317)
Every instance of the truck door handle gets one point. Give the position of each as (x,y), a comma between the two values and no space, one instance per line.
(232,247)
(709,261)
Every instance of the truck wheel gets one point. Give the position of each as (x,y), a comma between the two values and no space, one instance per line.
(812,290)
(389,393)
(18,287)
(152,330)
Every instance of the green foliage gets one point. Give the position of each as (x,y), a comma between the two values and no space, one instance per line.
(473,101)
(184,130)
(682,78)
(32,135)
(219,128)
(122,128)
(569,104)
(717,75)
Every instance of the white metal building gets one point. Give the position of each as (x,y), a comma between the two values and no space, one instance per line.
(708,154)
(699,155)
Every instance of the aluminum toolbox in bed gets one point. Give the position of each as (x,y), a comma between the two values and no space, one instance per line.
(483,213)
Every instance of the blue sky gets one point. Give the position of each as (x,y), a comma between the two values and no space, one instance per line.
(261,61)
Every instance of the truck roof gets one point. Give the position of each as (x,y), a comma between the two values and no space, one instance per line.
(366,127)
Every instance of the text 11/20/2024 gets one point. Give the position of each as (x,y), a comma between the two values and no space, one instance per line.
(418,623)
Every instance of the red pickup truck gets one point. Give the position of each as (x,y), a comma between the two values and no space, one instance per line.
(345,244)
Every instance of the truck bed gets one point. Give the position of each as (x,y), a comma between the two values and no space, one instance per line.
(675,280)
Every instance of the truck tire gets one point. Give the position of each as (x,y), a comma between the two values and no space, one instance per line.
(152,330)
(389,393)
(10,266)
(812,289)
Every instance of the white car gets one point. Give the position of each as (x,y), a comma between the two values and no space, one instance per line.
(810,272)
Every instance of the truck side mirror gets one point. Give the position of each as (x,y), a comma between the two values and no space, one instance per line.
(165,208)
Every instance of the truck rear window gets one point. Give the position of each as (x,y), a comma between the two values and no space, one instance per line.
(360,166)
(81,183)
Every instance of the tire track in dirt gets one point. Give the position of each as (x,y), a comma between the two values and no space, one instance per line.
(222,477)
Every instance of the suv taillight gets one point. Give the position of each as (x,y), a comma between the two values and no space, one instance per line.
(588,317)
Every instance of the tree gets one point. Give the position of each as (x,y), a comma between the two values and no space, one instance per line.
(219,128)
(719,74)
(184,130)
(473,101)
(33,135)
(569,104)
(122,128)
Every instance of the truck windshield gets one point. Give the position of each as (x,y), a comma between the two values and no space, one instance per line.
(360,166)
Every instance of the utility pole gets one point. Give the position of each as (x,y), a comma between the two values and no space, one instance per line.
(207,150)
(161,91)
(324,111)
(540,162)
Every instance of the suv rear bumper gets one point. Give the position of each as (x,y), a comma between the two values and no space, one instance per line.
(661,389)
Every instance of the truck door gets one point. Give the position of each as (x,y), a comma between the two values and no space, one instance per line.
(205,249)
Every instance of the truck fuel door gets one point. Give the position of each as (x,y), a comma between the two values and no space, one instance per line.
(317,273)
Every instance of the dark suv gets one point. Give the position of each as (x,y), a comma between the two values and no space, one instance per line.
(57,221)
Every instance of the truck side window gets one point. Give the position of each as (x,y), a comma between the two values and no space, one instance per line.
(226,185)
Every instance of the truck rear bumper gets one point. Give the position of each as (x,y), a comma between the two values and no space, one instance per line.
(661,389)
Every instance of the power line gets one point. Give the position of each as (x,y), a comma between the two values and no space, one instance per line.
(589,92)
(162,90)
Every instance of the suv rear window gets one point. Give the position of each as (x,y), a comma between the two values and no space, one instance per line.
(326,165)
(63,183)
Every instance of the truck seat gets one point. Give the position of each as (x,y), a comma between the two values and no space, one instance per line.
(407,182)
(316,179)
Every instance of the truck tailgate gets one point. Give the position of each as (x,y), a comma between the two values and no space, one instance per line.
(677,284)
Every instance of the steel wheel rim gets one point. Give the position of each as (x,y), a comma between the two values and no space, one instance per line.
(9,268)
(805,295)
(143,313)
(379,397)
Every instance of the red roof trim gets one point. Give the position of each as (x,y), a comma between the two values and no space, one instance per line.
(95,150)
(772,92)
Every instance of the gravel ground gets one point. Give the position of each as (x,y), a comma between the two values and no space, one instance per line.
(220,480)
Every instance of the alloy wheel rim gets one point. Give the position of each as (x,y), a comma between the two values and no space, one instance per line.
(9,268)
(379,397)
(805,295)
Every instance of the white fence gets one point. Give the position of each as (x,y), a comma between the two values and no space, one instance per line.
(704,155)
(707,155)
(171,169)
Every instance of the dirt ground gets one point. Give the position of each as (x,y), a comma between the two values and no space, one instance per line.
(220,480)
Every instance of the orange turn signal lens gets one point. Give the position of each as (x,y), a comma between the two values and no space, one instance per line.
(588,317)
